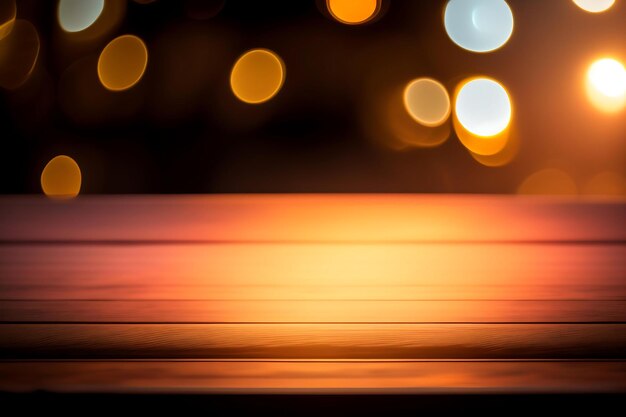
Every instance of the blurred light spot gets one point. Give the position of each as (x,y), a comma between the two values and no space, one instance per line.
(122,63)
(61,178)
(608,77)
(501,158)
(18,54)
(387,122)
(481,145)
(257,76)
(483,107)
(606,184)
(482,117)
(427,101)
(606,85)
(353,12)
(594,6)
(8,12)
(548,182)
(478,25)
(101,27)
(77,15)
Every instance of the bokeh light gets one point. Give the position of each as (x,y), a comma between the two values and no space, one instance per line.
(257,76)
(61,178)
(353,12)
(606,85)
(548,181)
(504,156)
(479,25)
(427,101)
(77,15)
(594,6)
(84,24)
(482,120)
(19,51)
(605,183)
(483,107)
(8,11)
(122,63)
(481,145)
(388,123)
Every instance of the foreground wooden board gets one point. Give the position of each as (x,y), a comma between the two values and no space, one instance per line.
(289,377)
(316,217)
(313,271)
(306,293)
(313,341)
(399,311)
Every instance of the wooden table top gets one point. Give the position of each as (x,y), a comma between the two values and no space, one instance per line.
(313,293)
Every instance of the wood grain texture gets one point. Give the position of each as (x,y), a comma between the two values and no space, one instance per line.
(262,271)
(254,293)
(310,218)
(313,341)
(289,377)
(313,311)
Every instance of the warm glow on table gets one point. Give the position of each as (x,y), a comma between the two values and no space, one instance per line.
(389,293)
(442,288)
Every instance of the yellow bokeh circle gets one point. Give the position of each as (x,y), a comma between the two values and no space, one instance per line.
(61,178)
(353,12)
(427,102)
(122,63)
(257,76)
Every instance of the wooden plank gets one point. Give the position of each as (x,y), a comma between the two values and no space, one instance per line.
(347,218)
(314,271)
(313,311)
(360,292)
(313,341)
(315,377)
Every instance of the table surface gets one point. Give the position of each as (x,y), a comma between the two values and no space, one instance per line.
(313,294)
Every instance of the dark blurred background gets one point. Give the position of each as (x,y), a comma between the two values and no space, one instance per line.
(181,130)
